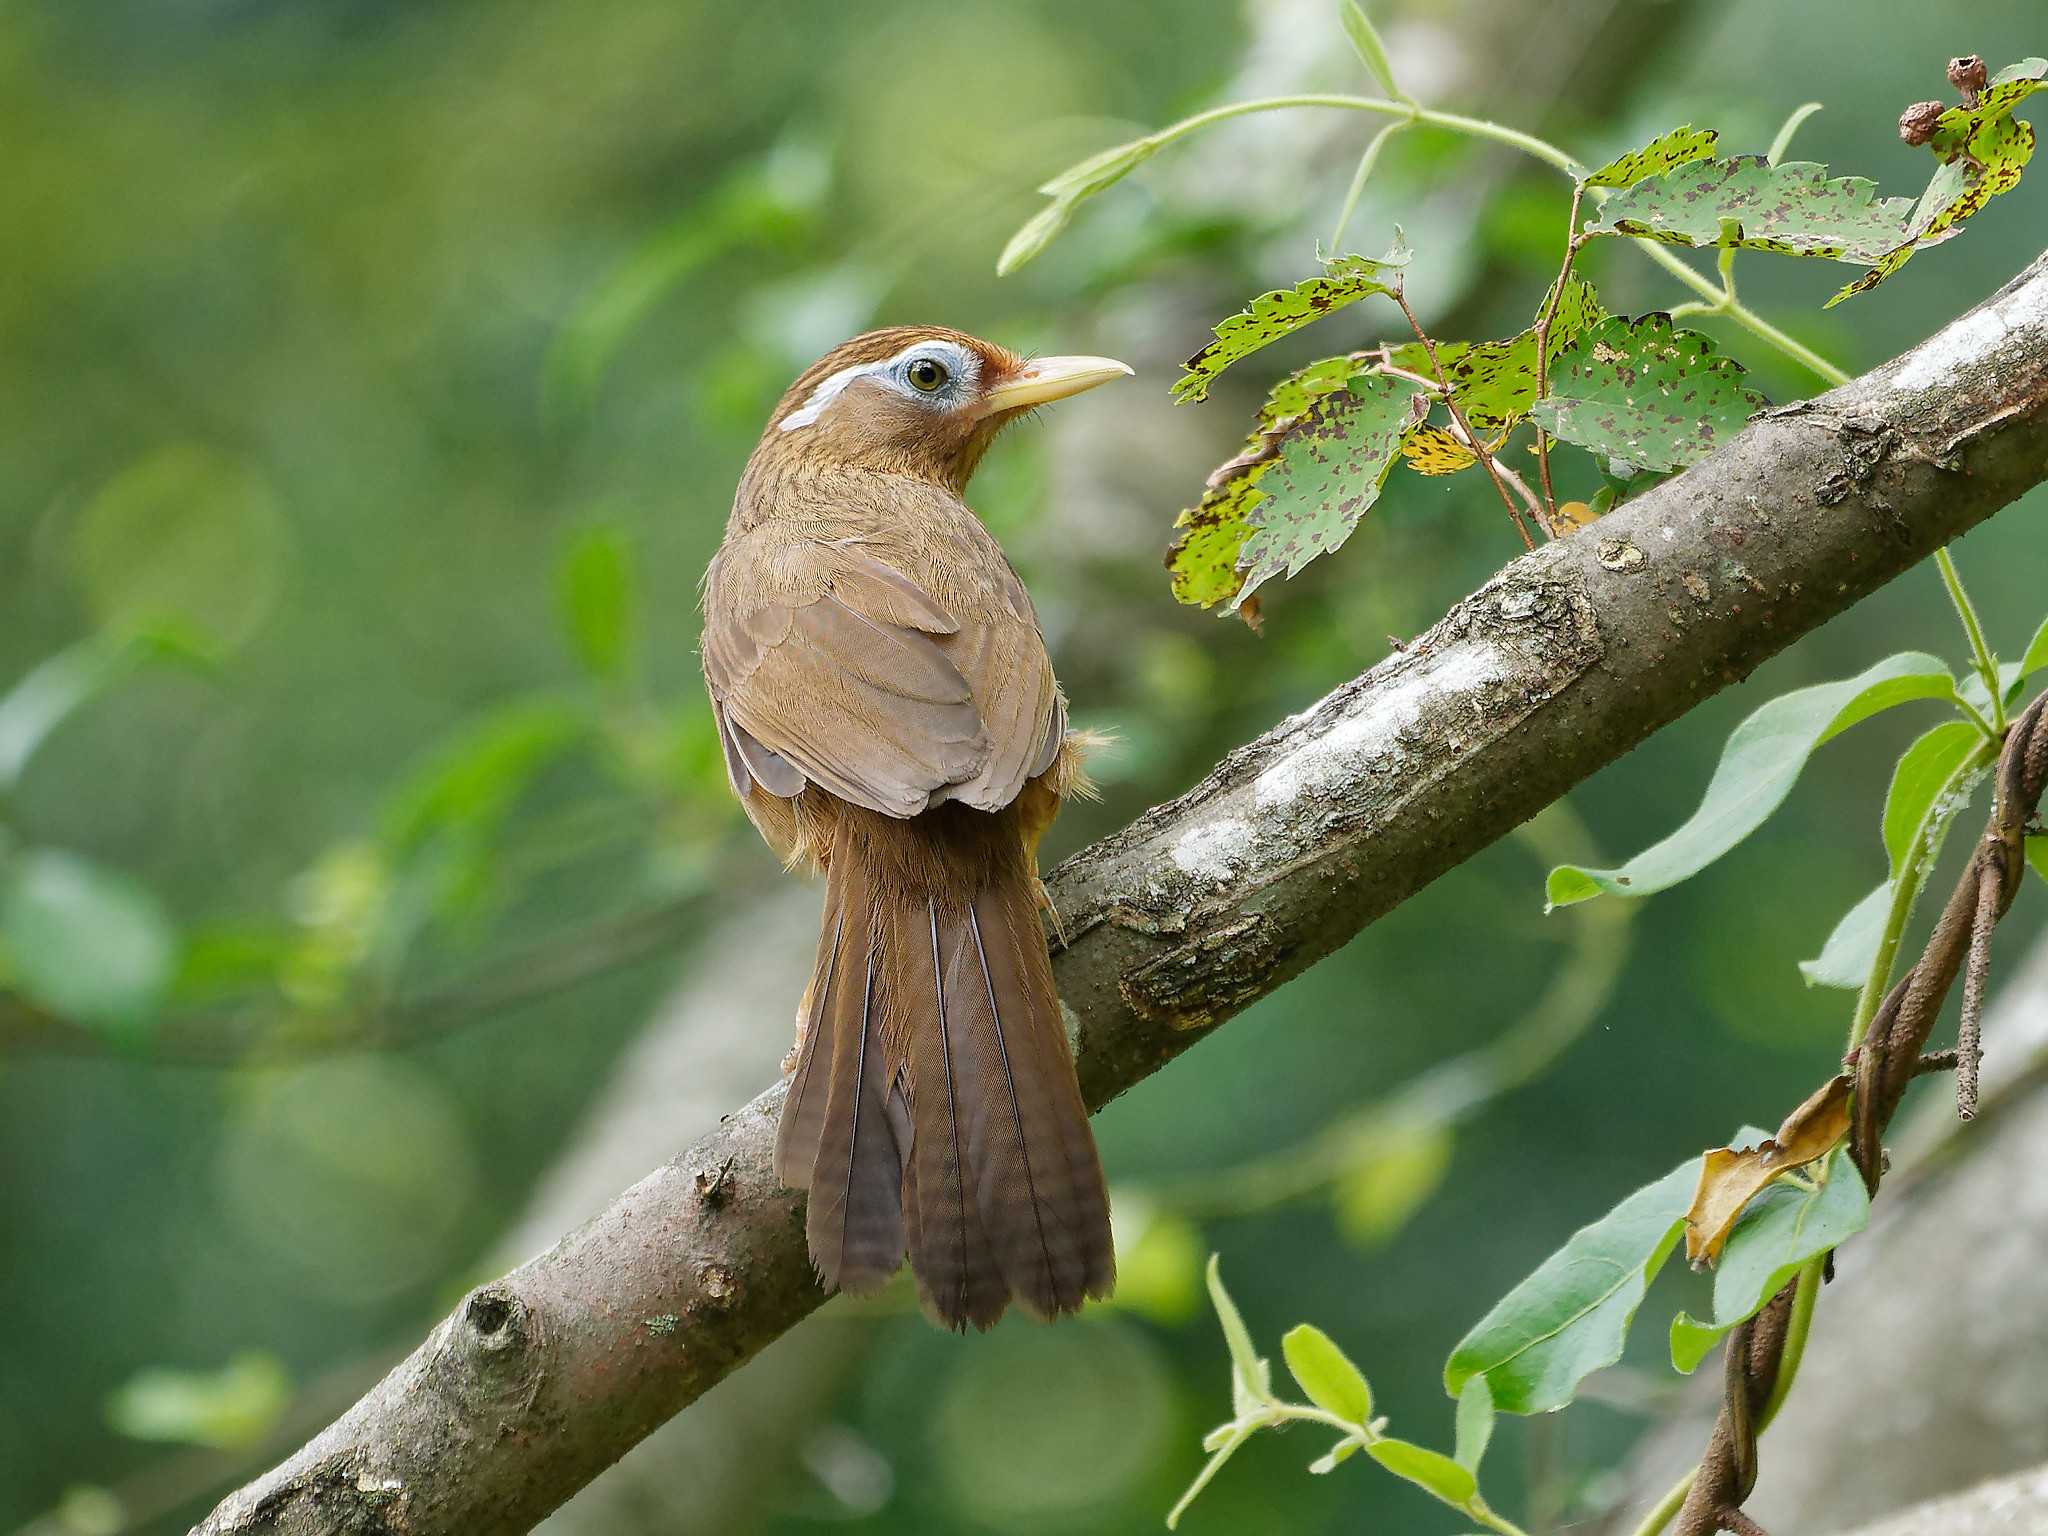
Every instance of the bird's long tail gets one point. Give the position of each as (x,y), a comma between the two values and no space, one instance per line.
(934,1107)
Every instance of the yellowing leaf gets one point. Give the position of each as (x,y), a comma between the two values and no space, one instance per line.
(1678,147)
(1575,514)
(1436,451)
(1730,1179)
(1202,560)
(1494,382)
(1983,150)
(1282,312)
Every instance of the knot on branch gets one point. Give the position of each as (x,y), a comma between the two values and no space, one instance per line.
(1890,1056)
(492,1354)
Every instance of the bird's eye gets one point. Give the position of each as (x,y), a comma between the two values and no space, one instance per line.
(927,375)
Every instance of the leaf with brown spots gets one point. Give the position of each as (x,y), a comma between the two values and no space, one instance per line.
(1494,382)
(1730,1179)
(1211,535)
(1794,209)
(1332,464)
(1680,146)
(1436,451)
(1271,316)
(1983,150)
(1642,393)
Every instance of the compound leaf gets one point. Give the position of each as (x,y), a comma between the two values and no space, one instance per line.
(1203,559)
(1494,382)
(1332,464)
(1679,147)
(1283,311)
(1643,393)
(1746,201)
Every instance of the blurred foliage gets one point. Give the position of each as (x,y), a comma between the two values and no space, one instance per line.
(378,377)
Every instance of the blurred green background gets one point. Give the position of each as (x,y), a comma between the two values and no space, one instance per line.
(375,379)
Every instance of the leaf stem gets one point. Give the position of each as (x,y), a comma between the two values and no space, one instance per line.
(1987,664)
(1543,324)
(1456,122)
(1359,177)
(1472,440)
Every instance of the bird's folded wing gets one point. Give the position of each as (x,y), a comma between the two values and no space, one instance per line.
(847,675)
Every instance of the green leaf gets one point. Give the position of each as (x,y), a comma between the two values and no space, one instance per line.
(1641,392)
(597,595)
(1748,202)
(1366,39)
(1332,464)
(1678,147)
(1248,1371)
(1782,1229)
(1495,381)
(1203,559)
(1845,960)
(1475,1423)
(2036,655)
(1429,1470)
(1571,1317)
(1758,768)
(2037,855)
(229,1410)
(90,944)
(1282,312)
(1326,1374)
(1929,787)
(1925,771)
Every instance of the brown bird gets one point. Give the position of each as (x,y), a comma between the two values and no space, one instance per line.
(889,716)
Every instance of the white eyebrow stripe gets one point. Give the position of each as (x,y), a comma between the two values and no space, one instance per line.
(828,390)
(834,385)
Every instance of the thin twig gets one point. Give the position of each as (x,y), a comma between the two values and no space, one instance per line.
(1471,438)
(1543,324)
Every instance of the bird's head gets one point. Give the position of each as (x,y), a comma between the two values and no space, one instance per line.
(918,400)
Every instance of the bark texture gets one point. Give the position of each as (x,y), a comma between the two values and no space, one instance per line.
(1559,665)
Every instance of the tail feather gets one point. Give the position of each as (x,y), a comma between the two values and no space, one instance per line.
(934,1106)
(855,1222)
(803,1114)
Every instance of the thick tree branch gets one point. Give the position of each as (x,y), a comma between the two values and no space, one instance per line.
(1558,666)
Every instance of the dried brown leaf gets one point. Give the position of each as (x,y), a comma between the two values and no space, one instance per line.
(1730,1179)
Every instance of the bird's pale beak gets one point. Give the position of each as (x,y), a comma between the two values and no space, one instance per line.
(1050,378)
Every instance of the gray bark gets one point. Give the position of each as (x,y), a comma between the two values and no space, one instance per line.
(1559,665)
(718,1036)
